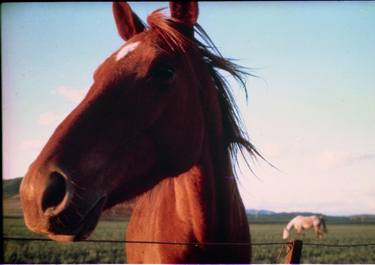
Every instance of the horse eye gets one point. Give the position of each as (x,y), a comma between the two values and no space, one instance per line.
(163,72)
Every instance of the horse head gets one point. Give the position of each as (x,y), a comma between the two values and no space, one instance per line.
(141,120)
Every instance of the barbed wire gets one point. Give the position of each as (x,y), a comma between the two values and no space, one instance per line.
(340,245)
(195,243)
(151,242)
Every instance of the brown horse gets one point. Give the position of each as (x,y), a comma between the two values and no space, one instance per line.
(159,123)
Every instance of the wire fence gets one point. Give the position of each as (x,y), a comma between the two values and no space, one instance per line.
(287,249)
(197,244)
(152,242)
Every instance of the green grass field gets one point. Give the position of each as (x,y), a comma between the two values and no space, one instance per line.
(337,234)
(81,252)
(53,252)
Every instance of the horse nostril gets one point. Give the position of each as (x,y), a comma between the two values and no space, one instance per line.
(54,192)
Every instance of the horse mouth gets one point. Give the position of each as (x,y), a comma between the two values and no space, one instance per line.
(84,227)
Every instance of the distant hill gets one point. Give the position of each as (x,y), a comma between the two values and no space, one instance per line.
(259,212)
(12,207)
(12,204)
(11,187)
(265,216)
(11,198)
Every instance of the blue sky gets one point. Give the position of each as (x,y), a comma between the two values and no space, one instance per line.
(311,112)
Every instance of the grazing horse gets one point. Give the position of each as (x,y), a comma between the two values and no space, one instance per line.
(158,124)
(301,223)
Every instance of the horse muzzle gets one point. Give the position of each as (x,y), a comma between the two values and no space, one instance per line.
(55,206)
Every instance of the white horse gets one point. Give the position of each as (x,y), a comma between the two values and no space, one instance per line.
(301,223)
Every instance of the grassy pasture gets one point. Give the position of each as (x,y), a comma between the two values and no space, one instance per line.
(337,235)
(53,252)
(86,252)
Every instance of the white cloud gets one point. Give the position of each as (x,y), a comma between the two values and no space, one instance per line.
(332,159)
(272,150)
(31,144)
(71,94)
(49,118)
(364,157)
(337,159)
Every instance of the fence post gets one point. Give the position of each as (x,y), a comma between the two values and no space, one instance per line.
(294,252)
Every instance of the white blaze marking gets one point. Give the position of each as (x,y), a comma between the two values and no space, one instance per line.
(126,50)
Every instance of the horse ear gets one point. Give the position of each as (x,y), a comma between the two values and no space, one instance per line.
(128,23)
(186,12)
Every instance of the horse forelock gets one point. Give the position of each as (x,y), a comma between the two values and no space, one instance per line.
(167,29)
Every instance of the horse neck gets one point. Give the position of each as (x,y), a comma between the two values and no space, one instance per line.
(227,207)
(290,224)
(203,202)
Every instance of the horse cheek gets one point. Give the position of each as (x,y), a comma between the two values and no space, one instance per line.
(179,142)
